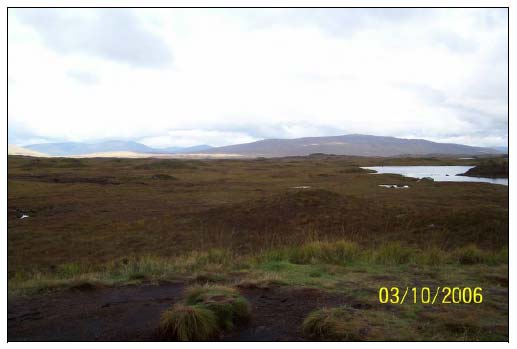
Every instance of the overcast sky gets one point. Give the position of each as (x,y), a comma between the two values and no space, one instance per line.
(181,77)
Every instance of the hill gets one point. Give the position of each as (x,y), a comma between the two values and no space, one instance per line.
(79,148)
(354,144)
(17,150)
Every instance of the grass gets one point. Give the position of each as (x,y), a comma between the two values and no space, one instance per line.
(226,303)
(188,323)
(338,252)
(339,323)
(357,280)
(309,264)
(206,311)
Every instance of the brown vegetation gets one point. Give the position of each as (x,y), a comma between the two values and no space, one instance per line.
(317,221)
(78,215)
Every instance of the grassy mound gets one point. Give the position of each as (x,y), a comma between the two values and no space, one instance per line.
(334,324)
(225,302)
(188,323)
(204,313)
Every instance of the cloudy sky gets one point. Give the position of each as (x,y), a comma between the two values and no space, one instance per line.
(181,77)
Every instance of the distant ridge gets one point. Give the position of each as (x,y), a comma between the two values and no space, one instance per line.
(79,148)
(17,150)
(353,144)
(503,150)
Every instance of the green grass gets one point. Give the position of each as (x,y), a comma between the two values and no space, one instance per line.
(226,303)
(188,323)
(337,252)
(319,263)
(357,280)
(333,324)
(205,311)
(342,252)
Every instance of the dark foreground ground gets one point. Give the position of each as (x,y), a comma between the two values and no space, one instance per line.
(133,313)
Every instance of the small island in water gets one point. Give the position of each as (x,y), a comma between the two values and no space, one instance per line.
(493,168)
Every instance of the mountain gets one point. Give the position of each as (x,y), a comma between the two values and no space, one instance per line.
(503,150)
(78,148)
(354,144)
(16,150)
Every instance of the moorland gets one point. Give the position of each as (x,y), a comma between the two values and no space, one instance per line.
(101,248)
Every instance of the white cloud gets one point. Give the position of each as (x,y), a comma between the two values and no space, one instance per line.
(242,75)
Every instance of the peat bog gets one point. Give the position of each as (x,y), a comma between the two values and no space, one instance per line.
(273,229)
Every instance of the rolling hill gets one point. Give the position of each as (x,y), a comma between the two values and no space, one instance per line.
(17,150)
(79,148)
(354,144)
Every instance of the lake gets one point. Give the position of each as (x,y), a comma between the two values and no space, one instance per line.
(438,173)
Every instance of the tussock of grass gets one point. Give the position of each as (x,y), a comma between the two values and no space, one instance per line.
(333,324)
(471,254)
(205,311)
(226,303)
(188,323)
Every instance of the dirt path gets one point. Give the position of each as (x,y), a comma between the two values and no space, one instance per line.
(133,312)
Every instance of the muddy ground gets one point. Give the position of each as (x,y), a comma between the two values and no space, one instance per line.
(132,313)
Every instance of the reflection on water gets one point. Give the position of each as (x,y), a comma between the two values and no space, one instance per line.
(438,173)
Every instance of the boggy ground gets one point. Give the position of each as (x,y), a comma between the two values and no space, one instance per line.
(133,313)
(104,235)
(279,304)
(97,210)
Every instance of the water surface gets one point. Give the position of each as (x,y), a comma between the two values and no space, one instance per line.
(438,173)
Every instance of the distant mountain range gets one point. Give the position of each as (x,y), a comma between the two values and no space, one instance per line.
(78,148)
(503,150)
(354,145)
(16,150)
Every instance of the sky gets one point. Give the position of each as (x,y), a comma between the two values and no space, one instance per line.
(183,77)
